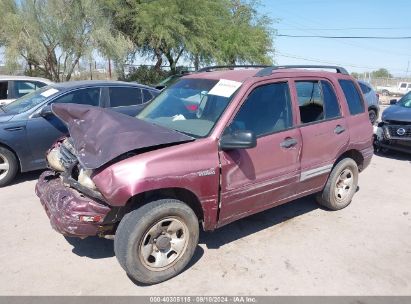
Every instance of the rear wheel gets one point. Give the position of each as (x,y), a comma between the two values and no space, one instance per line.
(341,185)
(155,242)
(8,166)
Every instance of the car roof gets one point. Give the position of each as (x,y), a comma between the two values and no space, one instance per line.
(99,83)
(241,75)
(28,78)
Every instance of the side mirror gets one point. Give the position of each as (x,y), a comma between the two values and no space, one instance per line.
(393,101)
(46,111)
(238,140)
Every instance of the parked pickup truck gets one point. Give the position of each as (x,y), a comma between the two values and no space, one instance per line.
(401,89)
(259,137)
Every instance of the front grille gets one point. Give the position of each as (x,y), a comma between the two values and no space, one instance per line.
(393,131)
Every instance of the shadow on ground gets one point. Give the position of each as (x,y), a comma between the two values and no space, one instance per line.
(257,222)
(99,248)
(395,155)
(26,176)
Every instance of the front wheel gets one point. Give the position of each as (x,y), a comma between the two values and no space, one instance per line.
(156,241)
(8,166)
(341,185)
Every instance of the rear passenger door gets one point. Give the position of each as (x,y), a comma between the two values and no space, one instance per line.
(258,178)
(126,100)
(323,129)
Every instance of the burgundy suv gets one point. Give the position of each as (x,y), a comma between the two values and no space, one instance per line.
(215,147)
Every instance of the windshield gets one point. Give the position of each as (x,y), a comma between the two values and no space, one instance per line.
(188,107)
(31,100)
(405,101)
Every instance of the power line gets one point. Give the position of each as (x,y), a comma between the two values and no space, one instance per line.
(288,55)
(343,37)
(349,28)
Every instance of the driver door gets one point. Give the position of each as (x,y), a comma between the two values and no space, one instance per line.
(42,132)
(258,178)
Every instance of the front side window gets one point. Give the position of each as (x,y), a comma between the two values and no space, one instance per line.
(90,96)
(122,97)
(22,88)
(405,101)
(403,85)
(187,107)
(267,110)
(355,103)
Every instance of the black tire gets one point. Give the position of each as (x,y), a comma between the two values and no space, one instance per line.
(133,233)
(329,198)
(8,158)
(385,93)
(373,116)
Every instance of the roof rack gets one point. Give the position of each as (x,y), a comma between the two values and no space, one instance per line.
(269,70)
(231,67)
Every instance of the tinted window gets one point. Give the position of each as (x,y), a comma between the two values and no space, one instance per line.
(332,107)
(365,89)
(352,96)
(403,85)
(310,101)
(89,96)
(147,96)
(120,97)
(266,110)
(3,89)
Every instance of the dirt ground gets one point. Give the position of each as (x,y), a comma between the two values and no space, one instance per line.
(294,249)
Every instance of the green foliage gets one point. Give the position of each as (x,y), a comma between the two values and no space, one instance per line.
(381,73)
(147,75)
(356,75)
(222,31)
(52,35)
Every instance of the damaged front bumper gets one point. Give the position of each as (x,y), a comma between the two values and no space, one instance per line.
(71,213)
(393,137)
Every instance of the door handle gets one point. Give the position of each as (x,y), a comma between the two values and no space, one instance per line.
(339,129)
(288,143)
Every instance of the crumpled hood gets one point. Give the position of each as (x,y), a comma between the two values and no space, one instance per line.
(100,135)
(396,112)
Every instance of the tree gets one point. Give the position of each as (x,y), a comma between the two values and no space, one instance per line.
(381,73)
(223,31)
(52,35)
(246,37)
(356,75)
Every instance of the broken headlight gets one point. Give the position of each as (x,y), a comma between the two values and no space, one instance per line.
(53,159)
(84,179)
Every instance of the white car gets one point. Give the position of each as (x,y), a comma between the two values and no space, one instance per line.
(13,87)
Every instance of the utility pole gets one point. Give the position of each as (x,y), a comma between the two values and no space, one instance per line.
(109,68)
(408,65)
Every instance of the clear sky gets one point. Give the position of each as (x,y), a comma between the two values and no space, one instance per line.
(343,18)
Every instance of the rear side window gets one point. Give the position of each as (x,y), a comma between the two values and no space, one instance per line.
(147,96)
(365,89)
(121,97)
(310,101)
(352,96)
(403,85)
(266,110)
